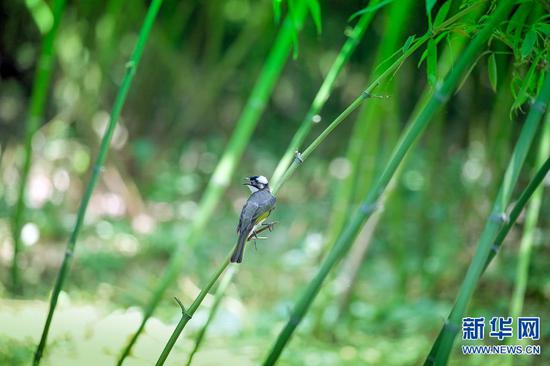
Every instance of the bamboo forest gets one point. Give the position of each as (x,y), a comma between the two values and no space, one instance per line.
(274,182)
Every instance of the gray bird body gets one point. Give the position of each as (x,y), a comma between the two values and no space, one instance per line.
(256,209)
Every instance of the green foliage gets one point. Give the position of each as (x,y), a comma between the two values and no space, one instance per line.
(215,98)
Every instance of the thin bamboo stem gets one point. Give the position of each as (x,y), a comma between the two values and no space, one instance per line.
(218,297)
(301,158)
(131,67)
(41,84)
(370,204)
(531,218)
(222,174)
(188,314)
(514,214)
(443,344)
(323,94)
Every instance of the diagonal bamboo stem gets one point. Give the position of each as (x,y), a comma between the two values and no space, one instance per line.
(131,67)
(441,349)
(370,203)
(218,297)
(299,159)
(531,218)
(42,78)
(222,175)
(317,104)
(322,95)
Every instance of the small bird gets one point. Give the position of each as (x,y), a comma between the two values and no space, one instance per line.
(256,209)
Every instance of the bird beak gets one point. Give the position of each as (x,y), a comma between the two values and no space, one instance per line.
(246,181)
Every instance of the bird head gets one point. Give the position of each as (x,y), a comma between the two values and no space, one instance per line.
(256,183)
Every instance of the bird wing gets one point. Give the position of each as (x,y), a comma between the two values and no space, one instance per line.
(254,210)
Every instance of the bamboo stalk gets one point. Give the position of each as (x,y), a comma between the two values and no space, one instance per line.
(317,104)
(323,94)
(362,148)
(41,84)
(369,205)
(300,158)
(131,67)
(443,344)
(226,166)
(514,214)
(218,297)
(531,217)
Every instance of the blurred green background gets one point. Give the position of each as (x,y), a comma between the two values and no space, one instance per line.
(382,306)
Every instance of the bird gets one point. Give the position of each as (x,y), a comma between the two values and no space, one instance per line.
(256,209)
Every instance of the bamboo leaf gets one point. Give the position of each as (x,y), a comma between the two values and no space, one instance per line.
(429,6)
(544,28)
(277,11)
(315,11)
(528,43)
(493,71)
(408,43)
(442,13)
(370,9)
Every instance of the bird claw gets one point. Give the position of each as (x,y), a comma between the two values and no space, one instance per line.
(269,225)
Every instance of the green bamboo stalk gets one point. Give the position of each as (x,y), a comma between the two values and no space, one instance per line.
(443,344)
(322,95)
(41,84)
(300,158)
(131,67)
(514,214)
(222,175)
(320,99)
(187,314)
(218,297)
(365,137)
(362,148)
(369,205)
(531,217)
(318,102)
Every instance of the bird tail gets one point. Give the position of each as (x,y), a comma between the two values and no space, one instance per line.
(237,256)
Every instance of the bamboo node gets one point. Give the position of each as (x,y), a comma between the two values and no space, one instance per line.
(97,169)
(298,157)
(439,96)
(495,248)
(450,327)
(499,218)
(69,253)
(368,208)
(184,312)
(130,64)
(539,106)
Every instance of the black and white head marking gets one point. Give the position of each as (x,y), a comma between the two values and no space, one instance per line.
(256,183)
